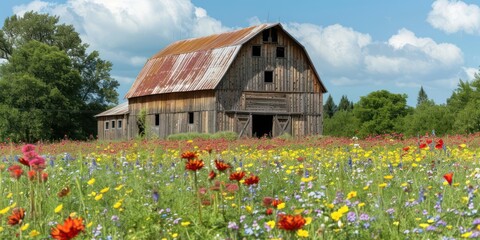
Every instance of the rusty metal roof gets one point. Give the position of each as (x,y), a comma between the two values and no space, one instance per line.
(192,64)
(120,109)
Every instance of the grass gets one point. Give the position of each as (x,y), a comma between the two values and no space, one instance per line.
(342,188)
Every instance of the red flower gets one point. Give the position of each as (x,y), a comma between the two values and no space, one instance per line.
(449,177)
(194,164)
(189,155)
(15,171)
(221,166)
(237,176)
(276,202)
(423,145)
(406,149)
(24,161)
(269,211)
(17,216)
(212,175)
(251,180)
(71,228)
(291,223)
(32,175)
(44,177)
(439,144)
(429,141)
(267,201)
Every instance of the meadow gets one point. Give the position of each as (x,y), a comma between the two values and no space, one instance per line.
(383,187)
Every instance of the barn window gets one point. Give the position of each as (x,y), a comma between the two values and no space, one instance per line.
(268,78)
(270,35)
(266,34)
(190,118)
(273,35)
(157,119)
(113,124)
(256,51)
(119,124)
(280,52)
(106,125)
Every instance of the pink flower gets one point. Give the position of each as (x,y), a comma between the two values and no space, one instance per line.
(28,148)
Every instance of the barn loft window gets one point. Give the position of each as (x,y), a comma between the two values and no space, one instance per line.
(119,124)
(256,51)
(190,118)
(268,78)
(157,119)
(106,125)
(113,124)
(270,35)
(280,52)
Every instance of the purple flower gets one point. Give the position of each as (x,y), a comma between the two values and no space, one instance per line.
(155,195)
(364,217)
(351,216)
(390,211)
(476,221)
(232,225)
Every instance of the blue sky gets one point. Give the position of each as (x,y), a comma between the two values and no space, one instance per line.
(357,46)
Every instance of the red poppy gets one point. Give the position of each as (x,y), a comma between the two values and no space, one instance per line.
(429,141)
(406,149)
(221,165)
(269,211)
(17,216)
(291,223)
(423,145)
(71,228)
(16,171)
(189,155)
(439,144)
(212,175)
(237,176)
(194,164)
(449,177)
(251,180)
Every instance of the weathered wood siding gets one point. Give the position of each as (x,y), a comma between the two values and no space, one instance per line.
(294,93)
(118,132)
(173,113)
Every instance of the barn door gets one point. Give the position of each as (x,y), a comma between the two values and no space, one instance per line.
(282,124)
(244,125)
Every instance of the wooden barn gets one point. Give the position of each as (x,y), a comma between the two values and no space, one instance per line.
(256,81)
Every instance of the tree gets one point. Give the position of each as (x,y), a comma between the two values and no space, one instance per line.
(345,104)
(422,97)
(379,112)
(464,104)
(342,124)
(329,108)
(81,80)
(427,117)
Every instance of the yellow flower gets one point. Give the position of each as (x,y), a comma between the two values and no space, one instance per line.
(271,224)
(92,194)
(105,190)
(281,206)
(1,229)
(307,179)
(351,194)
(424,225)
(5,210)
(34,233)
(98,197)
(388,177)
(10,195)
(404,184)
(414,165)
(463,145)
(430,220)
(382,185)
(361,204)
(466,235)
(302,233)
(330,205)
(449,227)
(248,209)
(184,224)
(119,187)
(117,205)
(396,223)
(91,181)
(175,235)
(308,220)
(336,216)
(366,187)
(58,208)
(234,205)
(343,209)
(73,214)
(25,227)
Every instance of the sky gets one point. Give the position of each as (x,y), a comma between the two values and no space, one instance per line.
(357,47)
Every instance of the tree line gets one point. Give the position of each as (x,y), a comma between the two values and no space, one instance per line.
(50,85)
(382,112)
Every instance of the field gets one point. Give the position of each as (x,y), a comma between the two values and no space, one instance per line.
(315,188)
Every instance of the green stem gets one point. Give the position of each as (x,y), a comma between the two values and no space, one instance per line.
(198,198)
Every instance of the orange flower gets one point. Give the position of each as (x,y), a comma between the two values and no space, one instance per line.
(15,171)
(71,228)
(212,175)
(237,176)
(252,180)
(221,166)
(64,192)
(194,164)
(449,177)
(17,216)
(189,155)
(406,149)
(276,202)
(291,223)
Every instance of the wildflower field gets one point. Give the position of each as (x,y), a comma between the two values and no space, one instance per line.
(315,188)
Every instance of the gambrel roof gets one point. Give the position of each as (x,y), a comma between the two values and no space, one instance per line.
(195,64)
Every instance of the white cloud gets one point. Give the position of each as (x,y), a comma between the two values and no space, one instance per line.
(36,6)
(470,73)
(455,16)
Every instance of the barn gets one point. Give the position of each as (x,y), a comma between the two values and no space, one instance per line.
(256,81)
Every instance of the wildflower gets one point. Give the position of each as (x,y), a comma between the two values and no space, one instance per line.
(15,171)
(34,233)
(91,181)
(58,208)
(155,195)
(212,175)
(351,194)
(449,177)
(270,224)
(336,215)
(189,155)
(302,233)
(104,190)
(71,228)
(467,234)
(98,197)
(237,176)
(382,185)
(221,166)
(439,144)
(267,201)
(281,206)
(276,202)
(343,209)
(291,223)
(25,227)
(184,224)
(16,217)
(269,211)
(388,177)
(5,210)
(64,192)
(194,165)
(117,205)
(251,180)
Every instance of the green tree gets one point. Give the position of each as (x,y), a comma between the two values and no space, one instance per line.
(427,117)
(464,105)
(91,91)
(422,97)
(342,124)
(329,108)
(345,104)
(380,112)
